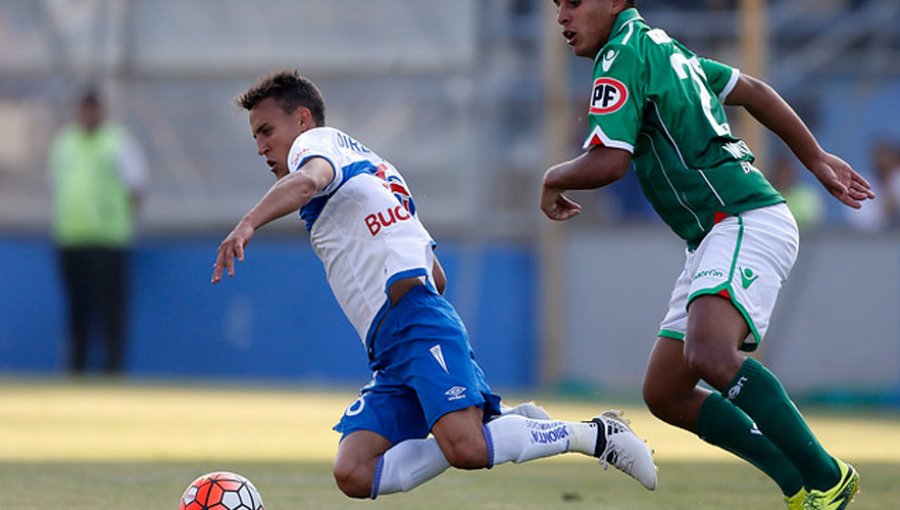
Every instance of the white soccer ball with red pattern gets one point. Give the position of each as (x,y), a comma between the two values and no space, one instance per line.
(221,490)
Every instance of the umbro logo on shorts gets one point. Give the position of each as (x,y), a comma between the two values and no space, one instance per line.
(456,393)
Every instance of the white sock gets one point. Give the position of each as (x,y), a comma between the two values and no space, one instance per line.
(407,465)
(413,462)
(518,439)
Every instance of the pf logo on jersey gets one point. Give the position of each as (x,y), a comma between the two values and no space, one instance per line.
(607,96)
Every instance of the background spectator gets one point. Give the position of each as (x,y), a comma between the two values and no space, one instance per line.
(98,172)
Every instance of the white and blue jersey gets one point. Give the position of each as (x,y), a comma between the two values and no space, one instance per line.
(363,226)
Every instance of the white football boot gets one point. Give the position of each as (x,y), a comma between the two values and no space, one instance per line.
(624,449)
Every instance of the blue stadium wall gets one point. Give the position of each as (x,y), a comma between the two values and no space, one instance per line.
(276,320)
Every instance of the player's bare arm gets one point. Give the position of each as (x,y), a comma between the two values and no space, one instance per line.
(772,111)
(593,169)
(287,195)
(440,278)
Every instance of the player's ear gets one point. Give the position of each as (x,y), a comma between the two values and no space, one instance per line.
(304,118)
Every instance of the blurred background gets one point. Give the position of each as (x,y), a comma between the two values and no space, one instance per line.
(471,100)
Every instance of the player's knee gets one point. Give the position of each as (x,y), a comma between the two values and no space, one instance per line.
(353,479)
(467,453)
(655,399)
(699,359)
(713,366)
(662,402)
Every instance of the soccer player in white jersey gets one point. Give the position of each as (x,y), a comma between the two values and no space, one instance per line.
(654,104)
(380,264)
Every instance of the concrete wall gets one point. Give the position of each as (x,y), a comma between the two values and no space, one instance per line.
(836,327)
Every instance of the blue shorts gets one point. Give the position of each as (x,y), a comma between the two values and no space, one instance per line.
(423,368)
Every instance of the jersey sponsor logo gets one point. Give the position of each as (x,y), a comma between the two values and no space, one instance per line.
(455,393)
(737,149)
(375,222)
(608,60)
(607,96)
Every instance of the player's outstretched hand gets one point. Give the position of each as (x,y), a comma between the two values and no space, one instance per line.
(557,206)
(841,180)
(231,248)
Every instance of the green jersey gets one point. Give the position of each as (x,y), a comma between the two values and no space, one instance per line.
(656,99)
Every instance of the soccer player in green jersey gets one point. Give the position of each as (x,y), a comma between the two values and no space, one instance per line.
(656,104)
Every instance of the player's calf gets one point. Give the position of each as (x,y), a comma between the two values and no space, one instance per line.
(467,454)
(460,434)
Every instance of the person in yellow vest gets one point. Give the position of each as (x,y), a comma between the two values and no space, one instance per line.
(98,173)
(803,199)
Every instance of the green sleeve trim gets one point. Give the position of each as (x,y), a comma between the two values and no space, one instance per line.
(668,333)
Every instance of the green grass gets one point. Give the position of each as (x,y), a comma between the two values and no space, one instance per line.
(96,445)
(539,485)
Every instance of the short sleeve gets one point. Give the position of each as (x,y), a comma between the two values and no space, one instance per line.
(317,143)
(617,99)
(721,77)
(132,164)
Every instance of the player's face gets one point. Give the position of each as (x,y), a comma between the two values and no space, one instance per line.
(586,24)
(275,131)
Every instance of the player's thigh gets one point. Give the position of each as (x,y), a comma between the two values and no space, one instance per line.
(387,407)
(432,356)
(445,378)
(714,325)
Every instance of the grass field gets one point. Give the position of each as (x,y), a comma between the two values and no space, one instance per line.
(97,445)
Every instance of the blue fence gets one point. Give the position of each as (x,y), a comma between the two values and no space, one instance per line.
(277,319)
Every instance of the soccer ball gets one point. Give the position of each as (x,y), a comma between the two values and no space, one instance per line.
(221,491)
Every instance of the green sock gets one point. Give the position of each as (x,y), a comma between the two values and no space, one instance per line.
(760,394)
(724,425)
